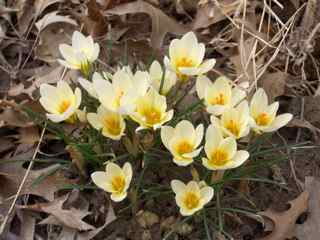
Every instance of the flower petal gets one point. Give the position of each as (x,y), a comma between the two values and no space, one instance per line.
(177,186)
(206,194)
(202,84)
(167,133)
(280,121)
(206,66)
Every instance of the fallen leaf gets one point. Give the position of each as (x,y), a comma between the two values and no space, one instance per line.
(274,83)
(13,118)
(28,223)
(77,159)
(58,216)
(147,219)
(284,223)
(161,23)
(209,13)
(53,17)
(309,230)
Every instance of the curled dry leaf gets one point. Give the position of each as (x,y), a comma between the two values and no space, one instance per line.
(309,230)
(210,13)
(161,23)
(58,216)
(53,17)
(284,223)
(274,83)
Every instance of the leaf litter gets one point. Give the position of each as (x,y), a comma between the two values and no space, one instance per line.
(31,31)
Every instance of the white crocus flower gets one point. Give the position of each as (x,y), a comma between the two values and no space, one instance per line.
(219,95)
(80,54)
(186,57)
(156,75)
(122,93)
(111,124)
(151,110)
(222,152)
(114,180)
(234,121)
(192,197)
(264,116)
(60,102)
(182,141)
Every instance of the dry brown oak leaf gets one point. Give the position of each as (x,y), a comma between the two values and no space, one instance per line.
(284,223)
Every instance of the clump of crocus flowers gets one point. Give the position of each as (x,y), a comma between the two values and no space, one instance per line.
(140,98)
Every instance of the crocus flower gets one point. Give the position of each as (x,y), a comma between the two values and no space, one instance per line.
(222,152)
(219,95)
(191,197)
(182,141)
(186,57)
(60,102)
(111,124)
(114,180)
(264,116)
(151,110)
(80,54)
(234,121)
(156,74)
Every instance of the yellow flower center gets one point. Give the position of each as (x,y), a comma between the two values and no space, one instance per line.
(191,200)
(219,158)
(263,119)
(64,105)
(112,125)
(152,115)
(233,127)
(218,100)
(118,184)
(184,147)
(184,62)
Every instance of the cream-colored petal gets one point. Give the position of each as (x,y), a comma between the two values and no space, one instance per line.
(94,120)
(239,158)
(216,110)
(78,40)
(202,84)
(67,64)
(64,90)
(259,102)
(113,169)
(88,86)
(105,92)
(187,212)
(280,121)
(199,132)
(193,186)
(49,105)
(213,139)
(70,55)
(206,66)
(167,133)
(189,40)
(197,53)
(272,109)
(229,146)
(222,85)
(78,97)
(155,70)
(185,130)
(192,154)
(206,194)
(182,162)
(127,171)
(177,186)
(122,81)
(237,96)
(100,179)
(189,71)
(118,197)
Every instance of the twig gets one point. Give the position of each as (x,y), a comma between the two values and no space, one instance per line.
(22,182)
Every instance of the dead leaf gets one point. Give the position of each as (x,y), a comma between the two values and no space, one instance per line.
(27,226)
(58,216)
(91,234)
(309,230)
(77,159)
(209,13)
(274,83)
(28,135)
(161,23)
(52,18)
(147,219)
(284,223)
(14,118)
